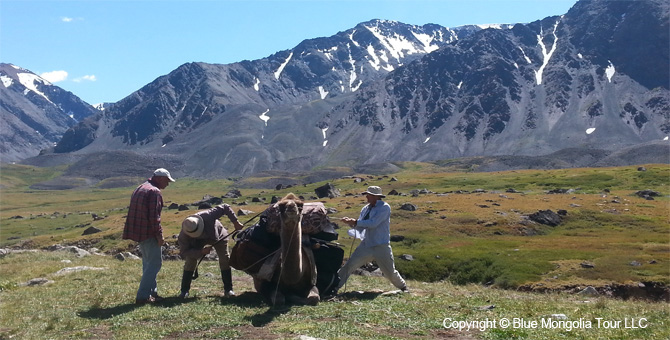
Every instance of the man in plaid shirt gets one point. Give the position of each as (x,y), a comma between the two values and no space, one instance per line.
(143,225)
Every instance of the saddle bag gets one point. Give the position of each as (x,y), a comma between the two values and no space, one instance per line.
(252,246)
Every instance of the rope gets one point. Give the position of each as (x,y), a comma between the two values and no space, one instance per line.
(350,251)
(235,232)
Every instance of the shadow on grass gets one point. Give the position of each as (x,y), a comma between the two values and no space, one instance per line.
(106,313)
(359,295)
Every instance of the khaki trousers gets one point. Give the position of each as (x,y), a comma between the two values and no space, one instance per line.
(221,250)
(382,254)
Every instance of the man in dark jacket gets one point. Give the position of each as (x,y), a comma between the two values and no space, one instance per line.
(199,234)
(143,225)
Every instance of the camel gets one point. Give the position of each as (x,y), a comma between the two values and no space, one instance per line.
(294,278)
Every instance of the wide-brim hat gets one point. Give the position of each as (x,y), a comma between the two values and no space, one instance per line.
(193,226)
(374,190)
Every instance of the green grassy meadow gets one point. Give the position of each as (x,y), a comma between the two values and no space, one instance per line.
(472,248)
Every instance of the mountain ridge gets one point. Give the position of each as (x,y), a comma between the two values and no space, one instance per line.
(360,97)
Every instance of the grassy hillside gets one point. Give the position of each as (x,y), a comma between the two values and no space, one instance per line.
(467,229)
(98,304)
(457,233)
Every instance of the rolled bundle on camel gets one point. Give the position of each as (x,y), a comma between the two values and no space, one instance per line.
(284,257)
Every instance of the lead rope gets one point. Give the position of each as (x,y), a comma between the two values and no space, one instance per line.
(235,232)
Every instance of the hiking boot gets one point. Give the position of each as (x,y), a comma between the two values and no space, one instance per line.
(183,295)
(150,299)
(228,293)
(404,289)
(156,298)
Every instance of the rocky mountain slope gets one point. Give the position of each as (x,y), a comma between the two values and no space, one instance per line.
(594,78)
(34,113)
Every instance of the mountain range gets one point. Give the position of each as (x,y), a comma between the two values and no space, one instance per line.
(595,78)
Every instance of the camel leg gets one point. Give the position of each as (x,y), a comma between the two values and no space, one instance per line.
(313,297)
(269,292)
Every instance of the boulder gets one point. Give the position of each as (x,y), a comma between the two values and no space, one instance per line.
(209,200)
(546,217)
(232,194)
(408,207)
(648,194)
(327,190)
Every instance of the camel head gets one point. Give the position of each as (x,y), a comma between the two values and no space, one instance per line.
(290,208)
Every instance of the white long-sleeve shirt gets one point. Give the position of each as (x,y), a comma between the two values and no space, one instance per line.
(376,228)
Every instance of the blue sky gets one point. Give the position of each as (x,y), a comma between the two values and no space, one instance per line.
(102,51)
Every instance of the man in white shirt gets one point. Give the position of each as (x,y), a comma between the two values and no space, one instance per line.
(374,228)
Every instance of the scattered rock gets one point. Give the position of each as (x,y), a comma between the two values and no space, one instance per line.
(91,230)
(587,264)
(635,264)
(407,257)
(208,200)
(489,307)
(394,192)
(235,193)
(70,270)
(78,252)
(589,291)
(641,168)
(173,206)
(561,191)
(648,194)
(243,212)
(183,207)
(40,281)
(130,256)
(559,316)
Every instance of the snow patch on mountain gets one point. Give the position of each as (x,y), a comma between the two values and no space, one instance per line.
(547,55)
(28,80)
(281,68)
(6,81)
(609,71)
(258,81)
(264,117)
(323,92)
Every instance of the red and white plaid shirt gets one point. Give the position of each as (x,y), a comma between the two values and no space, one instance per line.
(144,214)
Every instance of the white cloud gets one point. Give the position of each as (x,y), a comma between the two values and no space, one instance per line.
(86,77)
(66,19)
(54,76)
